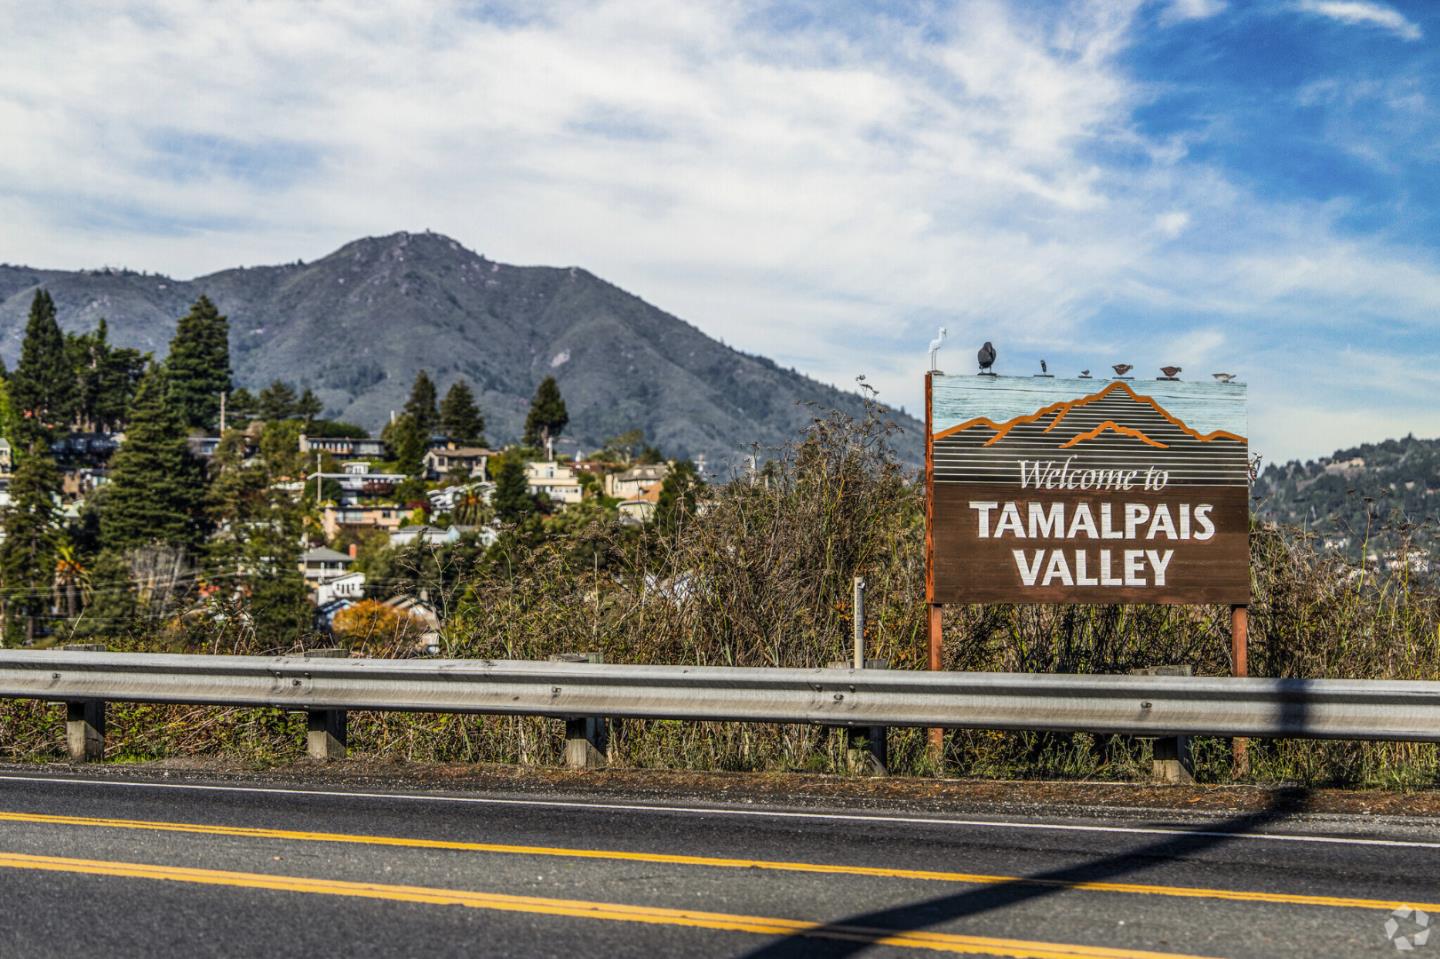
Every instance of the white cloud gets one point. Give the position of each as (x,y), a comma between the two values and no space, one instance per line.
(1179,11)
(1364,13)
(821,196)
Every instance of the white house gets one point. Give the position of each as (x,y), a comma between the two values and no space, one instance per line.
(408,535)
(321,565)
(349,586)
(446,500)
(554,479)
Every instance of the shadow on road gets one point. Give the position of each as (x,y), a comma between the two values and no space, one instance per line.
(932,912)
(975,901)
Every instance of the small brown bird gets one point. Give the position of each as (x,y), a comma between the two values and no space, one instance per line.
(1171,372)
(1122,368)
(1223,377)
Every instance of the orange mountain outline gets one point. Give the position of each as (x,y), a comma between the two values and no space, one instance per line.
(1063,407)
(1079,438)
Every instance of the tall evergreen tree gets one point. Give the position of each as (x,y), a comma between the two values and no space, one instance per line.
(308,407)
(241,407)
(421,404)
(460,417)
(155,489)
(277,402)
(198,366)
(407,443)
(547,416)
(512,500)
(32,536)
(256,548)
(43,386)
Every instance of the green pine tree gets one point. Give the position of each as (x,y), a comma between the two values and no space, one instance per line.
(407,443)
(512,500)
(421,404)
(277,402)
(43,385)
(198,366)
(241,407)
(9,425)
(460,417)
(309,407)
(155,492)
(32,538)
(547,416)
(255,552)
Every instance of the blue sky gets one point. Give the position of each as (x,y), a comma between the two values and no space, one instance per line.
(1215,184)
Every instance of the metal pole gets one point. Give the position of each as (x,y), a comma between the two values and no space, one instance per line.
(859,626)
(1240,666)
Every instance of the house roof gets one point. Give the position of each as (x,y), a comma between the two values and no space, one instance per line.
(460,451)
(323,554)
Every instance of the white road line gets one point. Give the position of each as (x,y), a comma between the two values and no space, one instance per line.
(746,813)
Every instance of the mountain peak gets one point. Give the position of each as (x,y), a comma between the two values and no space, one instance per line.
(357,324)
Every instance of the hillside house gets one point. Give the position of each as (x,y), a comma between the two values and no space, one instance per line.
(348,586)
(408,535)
(640,509)
(442,461)
(636,480)
(322,564)
(556,480)
(344,447)
(335,519)
(449,498)
(357,481)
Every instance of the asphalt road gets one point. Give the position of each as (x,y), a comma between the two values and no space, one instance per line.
(158,868)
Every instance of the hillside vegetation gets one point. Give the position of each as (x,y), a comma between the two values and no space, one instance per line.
(1379,501)
(761,578)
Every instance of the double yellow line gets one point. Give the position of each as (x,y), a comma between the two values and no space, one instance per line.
(615,855)
(583,909)
(619,912)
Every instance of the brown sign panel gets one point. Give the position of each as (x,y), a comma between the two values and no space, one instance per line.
(1057,490)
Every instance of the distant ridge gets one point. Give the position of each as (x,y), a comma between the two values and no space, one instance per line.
(357,324)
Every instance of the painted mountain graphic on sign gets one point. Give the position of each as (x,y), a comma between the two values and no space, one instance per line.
(1114,428)
(1120,412)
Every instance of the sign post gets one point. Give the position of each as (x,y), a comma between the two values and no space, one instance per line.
(1053,490)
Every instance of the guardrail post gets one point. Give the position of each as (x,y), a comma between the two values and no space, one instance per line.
(85,719)
(326,735)
(1171,761)
(867,748)
(85,730)
(587,738)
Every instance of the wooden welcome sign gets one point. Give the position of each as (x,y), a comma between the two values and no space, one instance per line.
(1052,490)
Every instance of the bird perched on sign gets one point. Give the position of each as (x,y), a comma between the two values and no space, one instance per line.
(1044,368)
(986,356)
(1122,368)
(1171,372)
(1223,377)
(935,345)
(1084,374)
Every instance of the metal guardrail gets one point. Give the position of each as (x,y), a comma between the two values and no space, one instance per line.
(1136,705)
